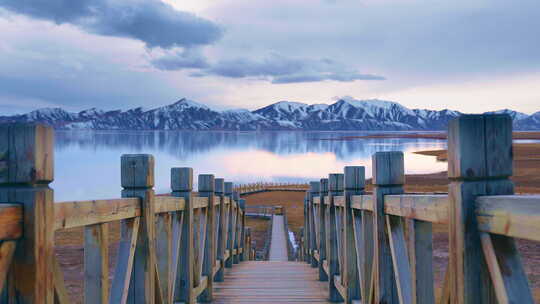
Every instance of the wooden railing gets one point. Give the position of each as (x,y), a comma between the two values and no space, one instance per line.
(251,188)
(378,248)
(171,248)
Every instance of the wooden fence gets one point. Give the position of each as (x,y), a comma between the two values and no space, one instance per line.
(171,248)
(245,189)
(377,248)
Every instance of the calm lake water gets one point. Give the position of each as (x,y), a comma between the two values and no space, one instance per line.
(87,163)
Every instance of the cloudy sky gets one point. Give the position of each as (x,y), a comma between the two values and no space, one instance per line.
(473,55)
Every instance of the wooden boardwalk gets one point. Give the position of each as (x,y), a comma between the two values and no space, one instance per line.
(273,281)
(278,244)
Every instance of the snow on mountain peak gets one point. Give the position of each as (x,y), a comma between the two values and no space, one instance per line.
(187,103)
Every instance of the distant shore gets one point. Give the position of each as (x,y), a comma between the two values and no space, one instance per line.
(531,135)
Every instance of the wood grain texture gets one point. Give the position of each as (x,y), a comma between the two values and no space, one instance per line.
(321,234)
(96,263)
(510,215)
(387,168)
(137,175)
(168,204)
(182,185)
(425,207)
(7,249)
(271,282)
(83,213)
(26,154)
(354,180)
(480,160)
(400,259)
(129,230)
(335,188)
(206,189)
(11,222)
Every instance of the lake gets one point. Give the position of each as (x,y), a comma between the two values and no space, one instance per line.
(87,163)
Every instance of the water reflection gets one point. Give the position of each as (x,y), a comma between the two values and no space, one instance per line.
(88,163)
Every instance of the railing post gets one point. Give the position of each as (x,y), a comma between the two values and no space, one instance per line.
(313,192)
(26,169)
(354,185)
(335,188)
(247,245)
(479,163)
(138,181)
(182,186)
(323,276)
(307,257)
(230,224)
(388,178)
(242,203)
(206,189)
(237,227)
(222,229)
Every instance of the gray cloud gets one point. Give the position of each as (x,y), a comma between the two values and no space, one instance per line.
(275,68)
(155,23)
(186,59)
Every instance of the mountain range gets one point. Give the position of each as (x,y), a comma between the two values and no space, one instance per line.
(344,114)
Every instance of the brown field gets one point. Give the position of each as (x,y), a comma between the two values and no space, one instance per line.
(526,176)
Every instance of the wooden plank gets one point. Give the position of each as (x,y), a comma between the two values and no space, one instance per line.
(222,229)
(61,295)
(479,163)
(365,248)
(137,176)
(168,204)
(425,207)
(96,263)
(11,221)
(200,202)
(124,260)
(26,169)
(201,287)
(510,215)
(7,249)
(354,182)
(323,274)
(84,213)
(231,223)
(420,246)
(388,177)
(315,188)
(164,247)
(177,224)
(182,186)
(339,201)
(400,260)
(362,202)
(335,188)
(207,189)
(505,267)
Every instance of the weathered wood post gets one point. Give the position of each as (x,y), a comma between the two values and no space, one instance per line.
(388,178)
(182,186)
(335,188)
(354,185)
(480,163)
(138,181)
(230,223)
(323,276)
(206,189)
(313,192)
(247,245)
(222,229)
(237,228)
(26,169)
(242,203)
(307,257)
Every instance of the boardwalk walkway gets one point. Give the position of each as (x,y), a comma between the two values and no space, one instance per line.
(278,244)
(274,281)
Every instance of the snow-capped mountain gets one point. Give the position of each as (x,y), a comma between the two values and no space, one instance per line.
(345,114)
